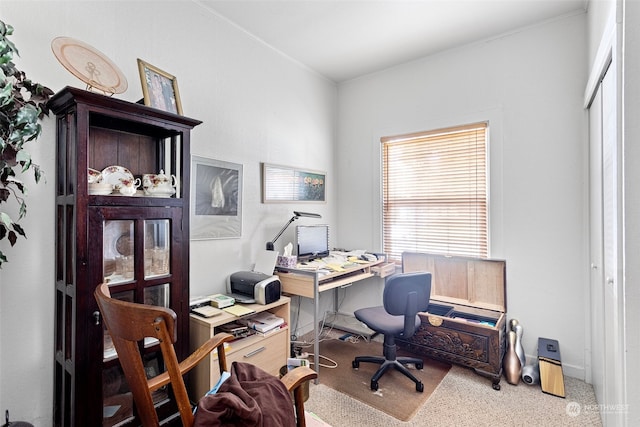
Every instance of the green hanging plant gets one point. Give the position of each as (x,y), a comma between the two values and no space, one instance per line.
(23,104)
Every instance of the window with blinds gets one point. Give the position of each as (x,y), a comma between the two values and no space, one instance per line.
(435,192)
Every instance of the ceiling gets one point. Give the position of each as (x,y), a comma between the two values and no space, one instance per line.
(344,39)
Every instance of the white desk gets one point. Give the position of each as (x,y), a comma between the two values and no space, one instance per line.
(310,283)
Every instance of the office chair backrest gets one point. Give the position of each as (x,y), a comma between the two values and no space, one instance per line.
(407,294)
(128,323)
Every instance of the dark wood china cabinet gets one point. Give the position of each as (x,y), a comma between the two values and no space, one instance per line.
(138,243)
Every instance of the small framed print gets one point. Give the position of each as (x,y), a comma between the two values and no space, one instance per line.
(159,88)
(288,184)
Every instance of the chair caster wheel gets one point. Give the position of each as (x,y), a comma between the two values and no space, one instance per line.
(374,385)
(496,387)
(419,387)
(419,366)
(355,365)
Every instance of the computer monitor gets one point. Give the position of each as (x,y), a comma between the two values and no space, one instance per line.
(312,241)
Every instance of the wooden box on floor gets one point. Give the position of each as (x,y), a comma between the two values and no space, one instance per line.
(466,321)
(551,376)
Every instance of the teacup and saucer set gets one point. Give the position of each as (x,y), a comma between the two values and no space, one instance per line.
(159,185)
(129,187)
(121,180)
(96,185)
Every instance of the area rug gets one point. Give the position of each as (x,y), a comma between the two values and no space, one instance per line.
(396,394)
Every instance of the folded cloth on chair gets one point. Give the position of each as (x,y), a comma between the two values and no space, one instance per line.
(250,396)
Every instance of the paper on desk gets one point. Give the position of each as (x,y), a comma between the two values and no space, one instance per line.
(238,310)
(266,262)
(335,267)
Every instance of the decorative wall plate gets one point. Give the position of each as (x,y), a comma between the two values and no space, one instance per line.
(89,65)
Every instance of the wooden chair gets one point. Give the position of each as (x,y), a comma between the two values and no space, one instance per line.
(129,323)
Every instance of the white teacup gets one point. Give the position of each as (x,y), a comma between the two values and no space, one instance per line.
(93,176)
(129,187)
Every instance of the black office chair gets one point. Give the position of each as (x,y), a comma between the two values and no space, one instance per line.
(405,295)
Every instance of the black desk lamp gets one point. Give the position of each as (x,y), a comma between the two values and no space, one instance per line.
(295,216)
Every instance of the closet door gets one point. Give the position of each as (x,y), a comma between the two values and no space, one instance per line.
(612,224)
(596,247)
(607,346)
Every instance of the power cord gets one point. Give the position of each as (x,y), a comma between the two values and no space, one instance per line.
(310,357)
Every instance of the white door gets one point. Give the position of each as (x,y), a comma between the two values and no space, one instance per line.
(596,249)
(607,355)
(612,214)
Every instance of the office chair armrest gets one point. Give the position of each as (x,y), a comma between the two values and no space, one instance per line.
(215,342)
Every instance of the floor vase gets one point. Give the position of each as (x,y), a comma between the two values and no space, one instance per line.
(518,346)
(511,362)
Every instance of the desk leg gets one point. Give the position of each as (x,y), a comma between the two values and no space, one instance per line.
(316,327)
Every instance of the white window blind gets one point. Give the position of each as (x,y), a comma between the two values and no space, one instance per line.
(435,192)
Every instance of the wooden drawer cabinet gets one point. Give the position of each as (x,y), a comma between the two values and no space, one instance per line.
(269,351)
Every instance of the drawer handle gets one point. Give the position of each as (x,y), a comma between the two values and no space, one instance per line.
(254,352)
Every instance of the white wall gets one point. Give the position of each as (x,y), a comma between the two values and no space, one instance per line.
(256,106)
(529,86)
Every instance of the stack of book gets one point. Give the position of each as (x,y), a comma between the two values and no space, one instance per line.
(236,329)
(262,322)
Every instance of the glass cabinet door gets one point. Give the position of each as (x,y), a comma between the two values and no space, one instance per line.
(156,247)
(139,254)
(117,250)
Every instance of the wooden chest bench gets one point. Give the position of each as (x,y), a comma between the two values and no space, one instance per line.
(465,323)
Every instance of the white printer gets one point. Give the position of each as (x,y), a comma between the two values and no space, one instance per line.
(251,286)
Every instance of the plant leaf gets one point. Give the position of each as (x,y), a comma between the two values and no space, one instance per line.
(12,237)
(6,219)
(19,229)
(22,211)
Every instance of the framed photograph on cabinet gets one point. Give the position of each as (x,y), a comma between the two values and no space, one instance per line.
(288,184)
(216,198)
(159,88)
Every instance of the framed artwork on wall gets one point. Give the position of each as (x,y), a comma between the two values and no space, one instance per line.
(288,184)
(159,88)
(216,199)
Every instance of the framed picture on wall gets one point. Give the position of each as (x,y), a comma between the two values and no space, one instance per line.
(289,184)
(159,88)
(216,199)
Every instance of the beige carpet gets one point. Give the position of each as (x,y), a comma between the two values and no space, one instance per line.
(464,398)
(396,395)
